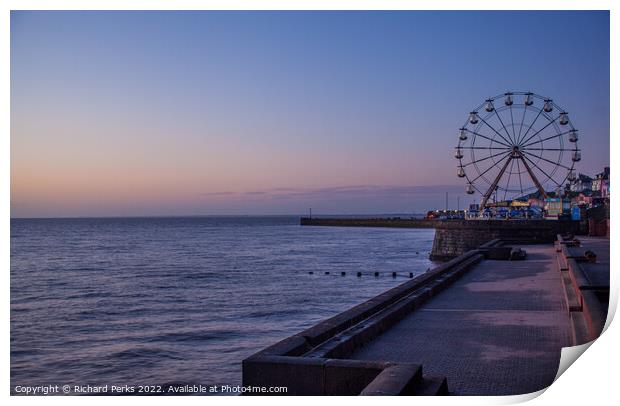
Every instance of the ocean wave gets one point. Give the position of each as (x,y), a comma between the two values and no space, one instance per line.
(196,336)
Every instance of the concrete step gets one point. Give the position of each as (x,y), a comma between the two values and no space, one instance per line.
(395,380)
(562,264)
(580,328)
(572,299)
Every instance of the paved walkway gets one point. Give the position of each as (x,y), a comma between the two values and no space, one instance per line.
(498,330)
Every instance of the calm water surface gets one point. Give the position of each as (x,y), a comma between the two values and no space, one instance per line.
(161,301)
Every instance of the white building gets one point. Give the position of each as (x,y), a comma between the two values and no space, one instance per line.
(601,183)
(581,184)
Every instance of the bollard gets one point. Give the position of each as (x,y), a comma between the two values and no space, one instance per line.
(343,273)
(376,274)
(359,274)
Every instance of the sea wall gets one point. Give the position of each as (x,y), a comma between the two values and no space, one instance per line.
(455,237)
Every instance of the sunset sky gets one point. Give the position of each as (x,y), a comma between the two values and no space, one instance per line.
(174,113)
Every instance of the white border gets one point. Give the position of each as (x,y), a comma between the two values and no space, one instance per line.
(590,380)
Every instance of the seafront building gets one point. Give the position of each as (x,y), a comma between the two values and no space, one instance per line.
(583,183)
(600,184)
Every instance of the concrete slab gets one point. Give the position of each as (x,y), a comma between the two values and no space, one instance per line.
(598,272)
(498,330)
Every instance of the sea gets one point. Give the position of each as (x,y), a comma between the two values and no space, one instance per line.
(183,300)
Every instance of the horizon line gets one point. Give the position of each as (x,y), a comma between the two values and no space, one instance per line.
(210,215)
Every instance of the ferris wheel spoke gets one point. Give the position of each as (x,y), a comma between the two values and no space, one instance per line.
(512,162)
(502,122)
(546,139)
(522,120)
(483,159)
(530,127)
(502,148)
(512,121)
(491,167)
(538,167)
(541,130)
(549,149)
(520,181)
(547,160)
(494,130)
(490,139)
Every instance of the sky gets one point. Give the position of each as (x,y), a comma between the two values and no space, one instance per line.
(209,113)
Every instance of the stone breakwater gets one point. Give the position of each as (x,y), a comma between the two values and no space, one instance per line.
(455,237)
(371,222)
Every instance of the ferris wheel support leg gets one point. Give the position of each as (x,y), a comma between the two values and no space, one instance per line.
(494,184)
(541,189)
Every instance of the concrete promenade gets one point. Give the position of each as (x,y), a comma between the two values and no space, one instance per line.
(498,330)
(475,325)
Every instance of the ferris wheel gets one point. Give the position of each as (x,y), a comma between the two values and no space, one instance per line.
(514,144)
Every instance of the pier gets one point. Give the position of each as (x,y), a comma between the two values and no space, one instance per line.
(479,324)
